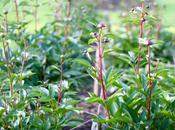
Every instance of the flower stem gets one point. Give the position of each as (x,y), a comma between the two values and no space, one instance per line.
(6,50)
(140,44)
(66,32)
(8,67)
(150,86)
(17,17)
(100,62)
(61,80)
(24,59)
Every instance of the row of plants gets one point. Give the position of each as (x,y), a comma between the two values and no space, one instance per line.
(138,96)
(43,73)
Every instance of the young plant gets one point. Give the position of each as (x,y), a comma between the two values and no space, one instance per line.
(24,58)
(6,50)
(66,33)
(140,36)
(101,26)
(150,82)
(100,65)
(142,20)
(148,43)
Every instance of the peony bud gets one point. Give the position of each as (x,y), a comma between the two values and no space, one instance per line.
(94,34)
(145,41)
(101,25)
(106,40)
(149,42)
(5,12)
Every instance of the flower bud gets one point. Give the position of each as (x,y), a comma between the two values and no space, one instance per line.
(101,25)
(143,19)
(106,40)
(5,12)
(149,42)
(94,34)
(147,7)
(2,35)
(61,56)
(145,41)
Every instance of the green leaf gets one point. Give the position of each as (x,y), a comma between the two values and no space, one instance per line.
(94,99)
(92,41)
(2,110)
(83,62)
(45,99)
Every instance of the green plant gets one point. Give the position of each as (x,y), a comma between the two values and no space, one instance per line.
(6,50)
(66,33)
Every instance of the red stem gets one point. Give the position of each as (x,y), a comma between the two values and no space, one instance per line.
(66,31)
(150,85)
(17,12)
(24,58)
(17,17)
(100,54)
(7,56)
(8,68)
(158,30)
(140,44)
(61,80)
(6,31)
(100,51)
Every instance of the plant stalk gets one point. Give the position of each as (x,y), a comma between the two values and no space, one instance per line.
(140,36)
(61,81)
(66,33)
(95,86)
(150,85)
(24,59)
(7,55)
(6,33)
(8,67)
(17,17)
(100,62)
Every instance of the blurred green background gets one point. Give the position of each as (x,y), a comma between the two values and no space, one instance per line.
(46,7)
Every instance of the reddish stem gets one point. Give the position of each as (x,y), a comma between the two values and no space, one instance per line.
(6,32)
(100,60)
(140,44)
(150,85)
(8,68)
(7,56)
(158,30)
(61,81)
(66,31)
(17,17)
(24,58)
